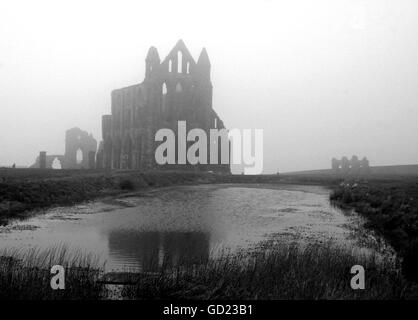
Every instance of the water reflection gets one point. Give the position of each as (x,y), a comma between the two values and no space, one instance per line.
(150,250)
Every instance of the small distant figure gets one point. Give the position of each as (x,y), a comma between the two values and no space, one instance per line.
(14,165)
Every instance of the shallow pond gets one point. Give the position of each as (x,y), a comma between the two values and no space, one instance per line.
(139,232)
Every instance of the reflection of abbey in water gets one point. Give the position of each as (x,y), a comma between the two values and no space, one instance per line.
(152,249)
(176,89)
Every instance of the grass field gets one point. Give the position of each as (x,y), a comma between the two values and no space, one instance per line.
(390,207)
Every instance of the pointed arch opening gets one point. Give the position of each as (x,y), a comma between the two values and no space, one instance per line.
(170,66)
(164,97)
(179,62)
(188,68)
(79,156)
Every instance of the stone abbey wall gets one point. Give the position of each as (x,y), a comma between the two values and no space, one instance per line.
(175,89)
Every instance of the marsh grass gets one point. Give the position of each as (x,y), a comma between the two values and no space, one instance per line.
(25,275)
(284,272)
(391,210)
(316,271)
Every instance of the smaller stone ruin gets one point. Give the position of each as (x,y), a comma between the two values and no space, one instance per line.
(353,166)
(80,153)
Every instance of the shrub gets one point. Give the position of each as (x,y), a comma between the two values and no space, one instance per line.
(126,184)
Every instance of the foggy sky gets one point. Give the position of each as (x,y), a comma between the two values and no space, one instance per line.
(322,78)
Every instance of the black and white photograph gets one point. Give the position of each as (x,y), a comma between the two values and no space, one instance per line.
(208,155)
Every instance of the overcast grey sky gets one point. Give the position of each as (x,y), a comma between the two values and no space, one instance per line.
(323,78)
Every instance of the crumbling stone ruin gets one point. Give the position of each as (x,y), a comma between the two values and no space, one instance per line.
(78,142)
(45,161)
(353,166)
(80,152)
(175,89)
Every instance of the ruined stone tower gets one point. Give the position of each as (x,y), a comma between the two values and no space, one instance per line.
(80,151)
(175,89)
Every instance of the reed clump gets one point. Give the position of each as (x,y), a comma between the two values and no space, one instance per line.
(284,272)
(26,275)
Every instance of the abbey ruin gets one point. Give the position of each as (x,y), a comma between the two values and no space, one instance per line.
(174,89)
(80,152)
(353,166)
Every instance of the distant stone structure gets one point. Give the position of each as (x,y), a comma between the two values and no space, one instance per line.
(42,160)
(80,150)
(78,143)
(176,89)
(353,166)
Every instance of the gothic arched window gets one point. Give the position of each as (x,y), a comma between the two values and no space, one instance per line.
(179,62)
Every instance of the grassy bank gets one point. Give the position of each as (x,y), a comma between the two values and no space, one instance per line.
(390,207)
(27,276)
(285,272)
(25,189)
